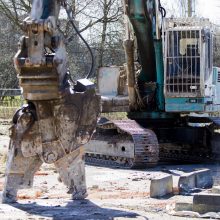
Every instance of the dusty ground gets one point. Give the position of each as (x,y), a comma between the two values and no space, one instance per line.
(113,193)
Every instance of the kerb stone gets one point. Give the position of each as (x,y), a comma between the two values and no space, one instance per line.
(204,203)
(183,206)
(161,186)
(187,181)
(204,179)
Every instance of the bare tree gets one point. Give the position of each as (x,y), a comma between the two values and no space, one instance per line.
(99,21)
(180,8)
(107,32)
(7,48)
(14,10)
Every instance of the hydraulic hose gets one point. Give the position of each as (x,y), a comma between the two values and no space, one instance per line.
(162,10)
(68,11)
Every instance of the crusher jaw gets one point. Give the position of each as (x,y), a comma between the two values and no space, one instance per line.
(57,119)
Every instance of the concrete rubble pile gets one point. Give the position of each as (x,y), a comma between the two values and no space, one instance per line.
(197,184)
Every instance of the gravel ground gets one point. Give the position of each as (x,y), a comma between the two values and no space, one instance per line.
(113,193)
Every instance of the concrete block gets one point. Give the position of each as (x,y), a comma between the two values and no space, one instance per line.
(204,179)
(187,181)
(161,186)
(204,203)
(216,189)
(184,206)
(176,189)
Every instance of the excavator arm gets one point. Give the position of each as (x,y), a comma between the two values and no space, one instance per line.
(137,12)
(147,86)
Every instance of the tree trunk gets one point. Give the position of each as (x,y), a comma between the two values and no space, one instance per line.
(103,36)
(189,8)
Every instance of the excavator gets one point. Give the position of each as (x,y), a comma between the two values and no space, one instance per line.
(173,99)
(169,89)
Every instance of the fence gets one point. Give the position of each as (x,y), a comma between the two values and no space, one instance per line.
(10,101)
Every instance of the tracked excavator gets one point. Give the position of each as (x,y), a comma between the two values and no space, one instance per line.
(169,89)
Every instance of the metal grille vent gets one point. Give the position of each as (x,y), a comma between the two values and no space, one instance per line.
(183,62)
(219,76)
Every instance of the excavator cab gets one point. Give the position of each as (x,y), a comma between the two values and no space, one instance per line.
(191,82)
(176,58)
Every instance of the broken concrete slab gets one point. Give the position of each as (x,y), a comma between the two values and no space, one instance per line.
(188,214)
(204,179)
(205,202)
(192,182)
(161,186)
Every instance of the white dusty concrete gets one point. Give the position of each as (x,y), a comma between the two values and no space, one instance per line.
(113,194)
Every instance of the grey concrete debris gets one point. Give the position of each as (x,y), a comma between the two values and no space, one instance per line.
(191,214)
(204,179)
(187,214)
(183,206)
(161,186)
(211,215)
(203,203)
(195,181)
(184,189)
(186,183)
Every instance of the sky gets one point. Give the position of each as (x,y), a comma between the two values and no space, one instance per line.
(210,9)
(204,8)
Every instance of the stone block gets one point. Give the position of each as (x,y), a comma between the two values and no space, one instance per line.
(204,203)
(183,206)
(187,181)
(161,186)
(204,179)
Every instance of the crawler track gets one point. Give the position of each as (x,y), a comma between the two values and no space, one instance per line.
(146,147)
(147,151)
